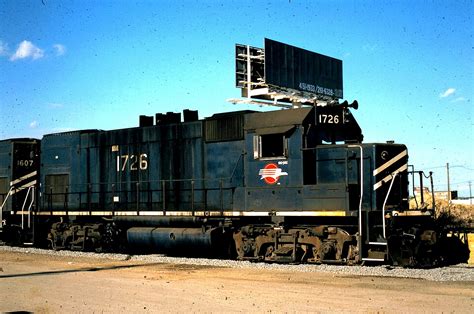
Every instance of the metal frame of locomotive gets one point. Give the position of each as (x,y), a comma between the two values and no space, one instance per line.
(294,185)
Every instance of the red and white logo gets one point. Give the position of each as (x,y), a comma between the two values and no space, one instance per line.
(271,173)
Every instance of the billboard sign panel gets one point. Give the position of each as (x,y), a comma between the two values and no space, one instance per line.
(299,69)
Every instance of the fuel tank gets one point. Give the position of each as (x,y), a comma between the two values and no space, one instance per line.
(180,241)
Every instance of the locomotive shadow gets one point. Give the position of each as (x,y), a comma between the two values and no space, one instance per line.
(79,270)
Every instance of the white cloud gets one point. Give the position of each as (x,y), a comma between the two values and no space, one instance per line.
(3,48)
(448,92)
(459,99)
(60,49)
(34,124)
(27,50)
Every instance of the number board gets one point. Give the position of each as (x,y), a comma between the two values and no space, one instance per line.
(330,116)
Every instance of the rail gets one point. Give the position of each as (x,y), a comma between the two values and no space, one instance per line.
(394,175)
(361,184)
(422,176)
(142,195)
(31,188)
(6,199)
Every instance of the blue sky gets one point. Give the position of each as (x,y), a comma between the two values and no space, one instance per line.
(67,65)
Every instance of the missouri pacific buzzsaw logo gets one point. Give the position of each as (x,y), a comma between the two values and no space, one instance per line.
(271,173)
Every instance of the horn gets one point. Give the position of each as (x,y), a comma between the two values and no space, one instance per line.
(354,105)
(344,103)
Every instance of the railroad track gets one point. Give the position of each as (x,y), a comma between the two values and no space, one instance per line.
(460,272)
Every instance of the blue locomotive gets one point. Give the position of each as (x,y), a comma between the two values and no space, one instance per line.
(292,185)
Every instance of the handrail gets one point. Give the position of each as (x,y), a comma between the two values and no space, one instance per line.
(152,181)
(412,172)
(29,207)
(433,204)
(422,175)
(361,188)
(128,193)
(23,206)
(394,175)
(6,198)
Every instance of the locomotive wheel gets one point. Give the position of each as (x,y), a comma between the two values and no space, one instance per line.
(321,244)
(413,248)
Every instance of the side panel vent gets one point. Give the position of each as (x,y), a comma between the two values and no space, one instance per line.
(228,128)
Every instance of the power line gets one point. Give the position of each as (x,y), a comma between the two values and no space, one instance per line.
(455,166)
(464,183)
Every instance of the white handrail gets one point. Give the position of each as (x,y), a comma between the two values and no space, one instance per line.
(23,207)
(6,198)
(394,175)
(29,207)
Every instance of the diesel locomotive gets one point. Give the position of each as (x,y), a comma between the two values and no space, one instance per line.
(295,185)
(276,186)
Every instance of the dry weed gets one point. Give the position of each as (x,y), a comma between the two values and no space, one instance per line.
(448,213)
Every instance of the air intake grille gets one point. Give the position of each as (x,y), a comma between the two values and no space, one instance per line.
(229,128)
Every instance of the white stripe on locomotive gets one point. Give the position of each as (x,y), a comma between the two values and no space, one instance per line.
(390,162)
(27,176)
(390,176)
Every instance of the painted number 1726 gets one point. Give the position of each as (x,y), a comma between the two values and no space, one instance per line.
(132,162)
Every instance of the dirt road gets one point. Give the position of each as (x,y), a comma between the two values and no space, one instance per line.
(55,284)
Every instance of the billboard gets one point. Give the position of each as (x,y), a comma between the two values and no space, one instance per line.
(299,69)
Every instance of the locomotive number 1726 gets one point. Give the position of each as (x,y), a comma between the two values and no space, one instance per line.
(132,162)
(328,119)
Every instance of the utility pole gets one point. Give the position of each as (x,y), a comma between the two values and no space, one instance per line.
(470,193)
(449,188)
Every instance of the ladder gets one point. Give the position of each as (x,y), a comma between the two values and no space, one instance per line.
(377,251)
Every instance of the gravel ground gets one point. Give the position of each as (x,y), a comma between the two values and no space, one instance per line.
(460,272)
